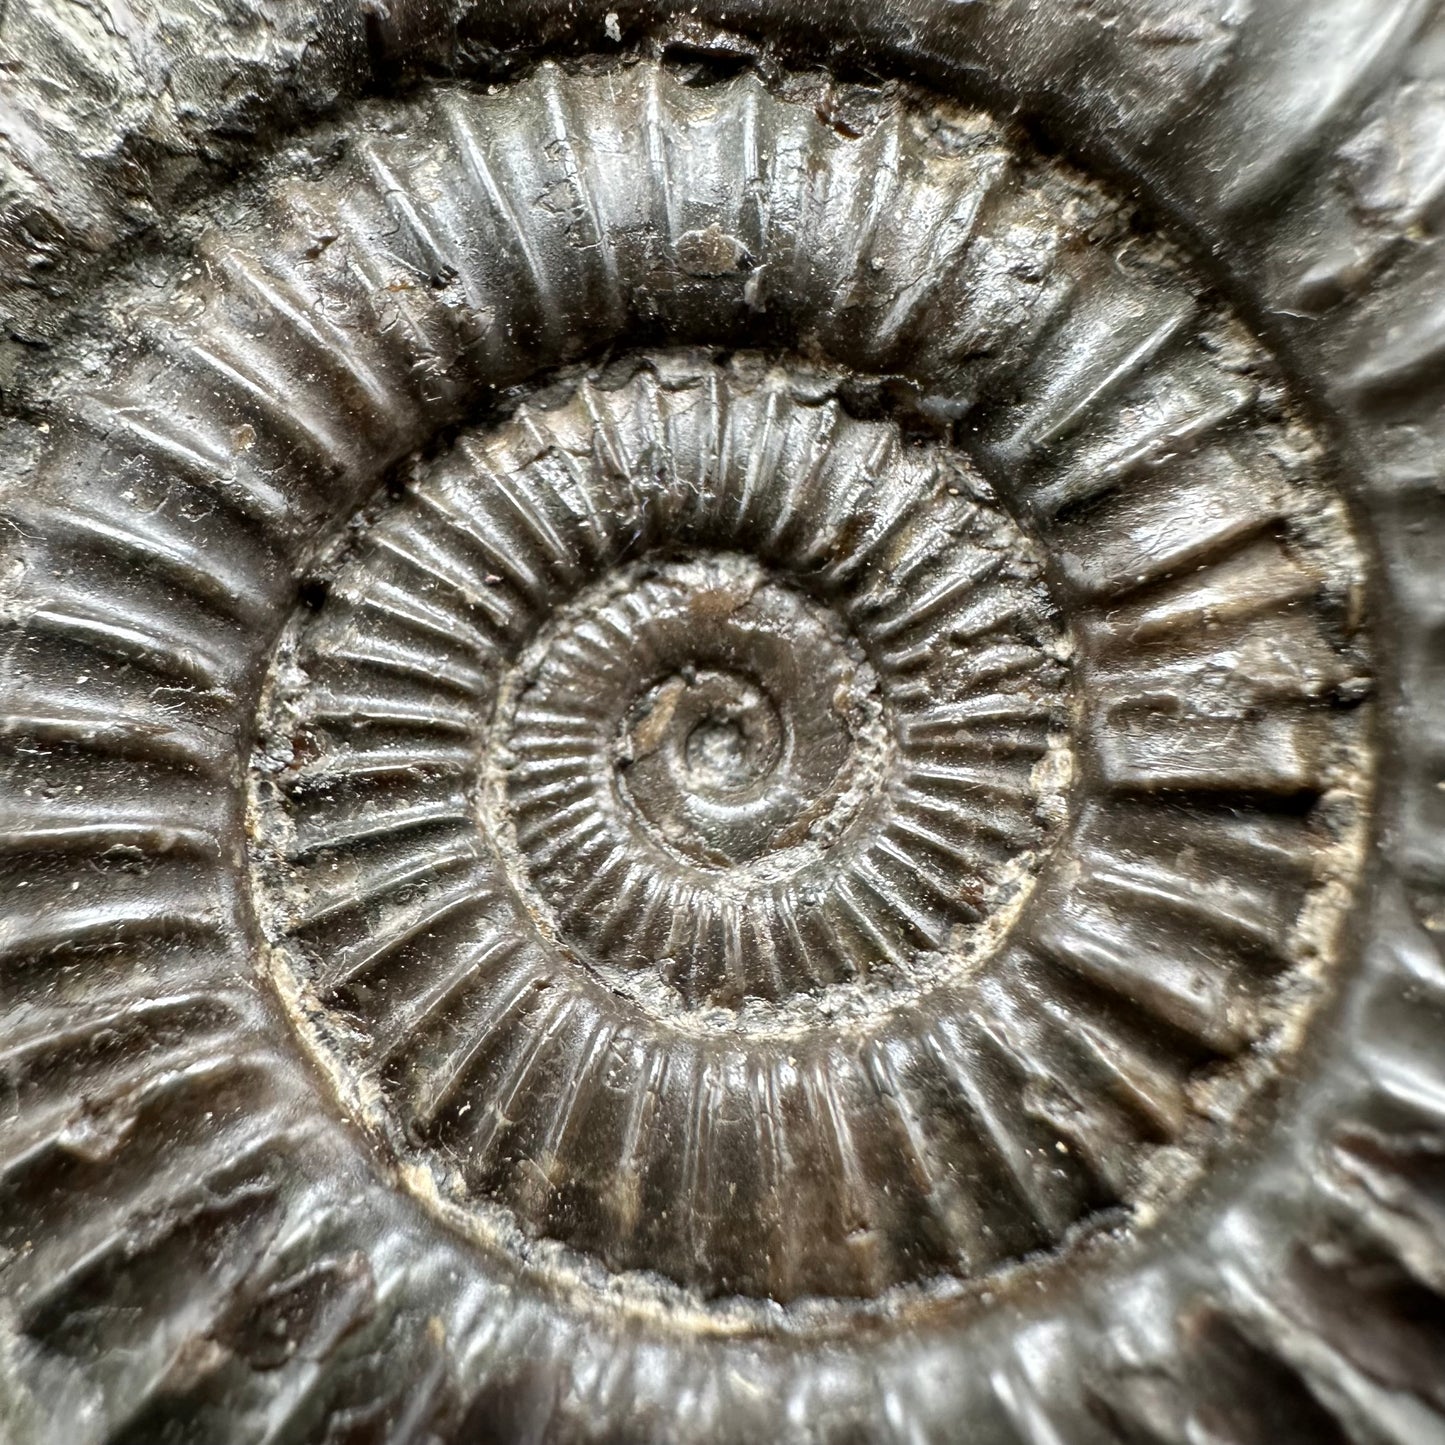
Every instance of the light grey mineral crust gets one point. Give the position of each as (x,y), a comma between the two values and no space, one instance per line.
(722,723)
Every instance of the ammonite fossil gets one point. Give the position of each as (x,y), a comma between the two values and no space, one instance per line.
(722,726)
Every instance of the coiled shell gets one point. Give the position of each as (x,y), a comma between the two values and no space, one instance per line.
(686,748)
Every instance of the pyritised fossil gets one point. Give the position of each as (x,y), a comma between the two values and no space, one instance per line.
(693,749)
(652,794)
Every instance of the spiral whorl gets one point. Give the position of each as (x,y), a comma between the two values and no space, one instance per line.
(743,706)
(655,795)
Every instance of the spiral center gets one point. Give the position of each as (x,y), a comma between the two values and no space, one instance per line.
(722,723)
(726,754)
(699,753)
(721,757)
(720,731)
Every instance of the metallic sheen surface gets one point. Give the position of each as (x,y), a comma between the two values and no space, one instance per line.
(722,725)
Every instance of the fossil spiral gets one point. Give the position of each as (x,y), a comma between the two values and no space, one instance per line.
(678,692)
(751,805)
